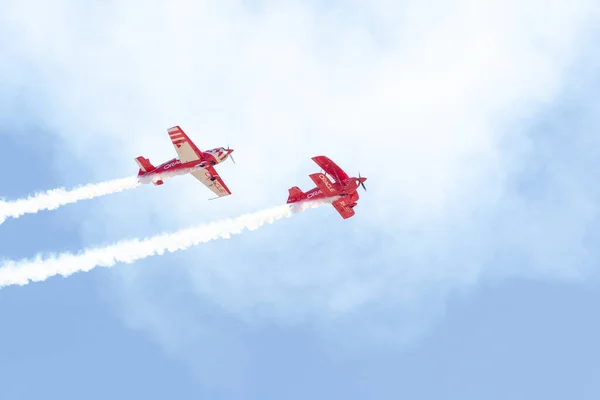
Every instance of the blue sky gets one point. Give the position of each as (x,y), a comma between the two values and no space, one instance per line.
(470,269)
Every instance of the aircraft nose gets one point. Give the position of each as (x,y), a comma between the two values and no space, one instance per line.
(362,179)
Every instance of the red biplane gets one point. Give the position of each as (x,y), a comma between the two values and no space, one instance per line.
(344,187)
(200,164)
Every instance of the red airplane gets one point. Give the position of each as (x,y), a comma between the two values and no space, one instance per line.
(344,187)
(191,160)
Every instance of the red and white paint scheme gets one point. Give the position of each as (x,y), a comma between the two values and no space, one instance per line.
(344,187)
(200,164)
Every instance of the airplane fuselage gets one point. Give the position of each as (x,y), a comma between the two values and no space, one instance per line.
(347,189)
(175,167)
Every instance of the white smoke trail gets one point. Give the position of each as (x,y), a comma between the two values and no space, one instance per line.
(127,251)
(55,198)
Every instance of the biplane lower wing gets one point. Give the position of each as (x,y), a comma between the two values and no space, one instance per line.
(323,183)
(342,207)
(206,175)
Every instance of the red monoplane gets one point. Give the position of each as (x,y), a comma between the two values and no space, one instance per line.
(344,187)
(200,164)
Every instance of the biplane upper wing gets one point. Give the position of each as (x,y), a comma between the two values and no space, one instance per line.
(185,148)
(342,207)
(217,186)
(330,168)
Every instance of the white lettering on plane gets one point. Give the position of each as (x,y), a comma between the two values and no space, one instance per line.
(313,194)
(327,183)
(170,165)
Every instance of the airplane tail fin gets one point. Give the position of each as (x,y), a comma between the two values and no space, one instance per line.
(144,164)
(295,194)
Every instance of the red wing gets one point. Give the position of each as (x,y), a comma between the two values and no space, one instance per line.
(217,186)
(323,183)
(330,167)
(185,148)
(341,206)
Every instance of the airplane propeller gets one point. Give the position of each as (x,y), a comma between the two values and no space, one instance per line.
(230,156)
(361,182)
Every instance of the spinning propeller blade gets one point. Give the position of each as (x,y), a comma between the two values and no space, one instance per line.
(361,182)
(230,156)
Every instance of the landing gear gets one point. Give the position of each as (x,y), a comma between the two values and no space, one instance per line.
(212,178)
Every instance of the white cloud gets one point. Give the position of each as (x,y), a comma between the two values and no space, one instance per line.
(421,97)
